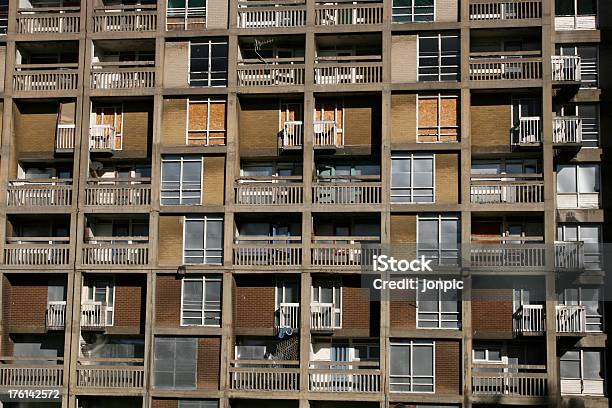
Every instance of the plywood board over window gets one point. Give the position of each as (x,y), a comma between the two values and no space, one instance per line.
(438,118)
(206,122)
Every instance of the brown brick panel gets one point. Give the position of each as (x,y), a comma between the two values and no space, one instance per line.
(447,178)
(358,311)
(448,367)
(130,298)
(164,403)
(174,122)
(167,301)
(491,117)
(137,129)
(360,116)
(209,352)
(403,314)
(35,125)
(214,178)
(176,60)
(491,311)
(259,127)
(26,301)
(403,118)
(254,303)
(170,240)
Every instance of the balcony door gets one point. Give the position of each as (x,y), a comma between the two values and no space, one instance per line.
(291,123)
(526,120)
(591,298)
(98,301)
(107,127)
(287,302)
(329,123)
(327,304)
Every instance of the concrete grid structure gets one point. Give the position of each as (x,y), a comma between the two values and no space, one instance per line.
(189,190)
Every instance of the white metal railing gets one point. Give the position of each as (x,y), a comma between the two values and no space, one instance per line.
(45,77)
(567,130)
(116,251)
(517,380)
(362,377)
(348,14)
(17,372)
(292,134)
(64,137)
(264,375)
(566,68)
(529,319)
(330,73)
(111,373)
(344,251)
(37,251)
(571,319)
(288,316)
(125,19)
(563,23)
(272,14)
(569,255)
(93,315)
(39,193)
(102,137)
(508,255)
(274,73)
(48,20)
(268,193)
(323,316)
(528,131)
(326,134)
(118,192)
(505,9)
(263,251)
(504,66)
(506,192)
(347,193)
(582,387)
(56,315)
(126,75)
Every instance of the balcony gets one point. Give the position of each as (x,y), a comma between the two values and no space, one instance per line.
(33,251)
(48,20)
(45,77)
(505,66)
(93,316)
(126,19)
(569,255)
(264,375)
(275,72)
(511,189)
(116,251)
(107,192)
(56,315)
(348,70)
(566,68)
(64,138)
(110,373)
(326,135)
(39,193)
(288,317)
(571,319)
(271,14)
(292,135)
(510,252)
(332,377)
(529,320)
(567,131)
(496,10)
(265,251)
(344,251)
(347,190)
(276,191)
(19,372)
(103,138)
(323,317)
(570,23)
(509,380)
(123,75)
(343,14)
(528,132)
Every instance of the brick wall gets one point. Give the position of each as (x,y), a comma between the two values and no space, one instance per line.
(404,58)
(130,298)
(253,299)
(209,352)
(137,129)
(170,244)
(491,122)
(35,125)
(167,301)
(176,60)
(259,127)
(361,122)
(359,314)
(447,178)
(403,118)
(403,314)
(174,123)
(164,403)
(25,303)
(447,10)
(448,367)
(492,312)
(214,180)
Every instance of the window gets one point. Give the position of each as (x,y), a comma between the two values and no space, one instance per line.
(582,372)
(203,240)
(589,235)
(412,178)
(412,366)
(3,16)
(106,128)
(438,57)
(175,362)
(98,293)
(578,186)
(588,62)
(327,304)
(206,122)
(198,404)
(487,354)
(186,14)
(589,114)
(413,11)
(576,7)
(591,299)
(201,301)
(181,179)
(438,237)
(438,118)
(438,309)
(208,63)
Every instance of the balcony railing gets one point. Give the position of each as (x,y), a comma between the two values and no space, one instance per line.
(264,375)
(566,68)
(344,251)
(20,372)
(288,316)
(569,255)
(274,72)
(39,193)
(48,20)
(123,75)
(113,373)
(118,192)
(343,190)
(37,251)
(567,130)
(348,70)
(125,19)
(269,191)
(564,23)
(505,9)
(528,132)
(492,189)
(292,135)
(64,137)
(323,317)
(116,251)
(519,252)
(506,66)
(511,380)
(348,14)
(271,14)
(102,138)
(361,377)
(571,319)
(45,77)
(326,134)
(93,315)
(529,319)
(56,315)
(264,251)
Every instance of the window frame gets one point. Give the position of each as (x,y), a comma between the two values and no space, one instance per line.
(209,80)
(439,97)
(581,351)
(204,279)
(411,343)
(562,49)
(575,7)
(185,13)
(336,287)
(203,218)
(577,178)
(209,101)
(411,156)
(439,217)
(438,315)
(602,316)
(438,36)
(174,360)
(182,159)
(573,109)
(411,13)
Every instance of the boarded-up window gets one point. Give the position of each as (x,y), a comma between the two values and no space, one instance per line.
(106,130)
(329,123)
(438,118)
(206,122)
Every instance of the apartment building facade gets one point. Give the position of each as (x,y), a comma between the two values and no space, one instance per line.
(189,189)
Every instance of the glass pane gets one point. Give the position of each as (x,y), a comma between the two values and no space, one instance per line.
(400,360)
(423,360)
(194,234)
(566,179)
(588,178)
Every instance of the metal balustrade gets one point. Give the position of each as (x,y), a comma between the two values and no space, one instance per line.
(361,377)
(567,130)
(93,315)
(21,372)
(328,72)
(118,192)
(123,75)
(116,251)
(264,375)
(48,20)
(45,77)
(571,319)
(511,380)
(288,316)
(323,317)
(102,137)
(348,14)
(569,255)
(264,251)
(566,68)
(292,135)
(344,251)
(33,251)
(326,134)
(506,191)
(330,193)
(528,131)
(505,66)
(275,72)
(515,253)
(529,319)
(271,14)
(39,193)
(55,318)
(495,10)
(267,191)
(111,373)
(125,19)
(64,137)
